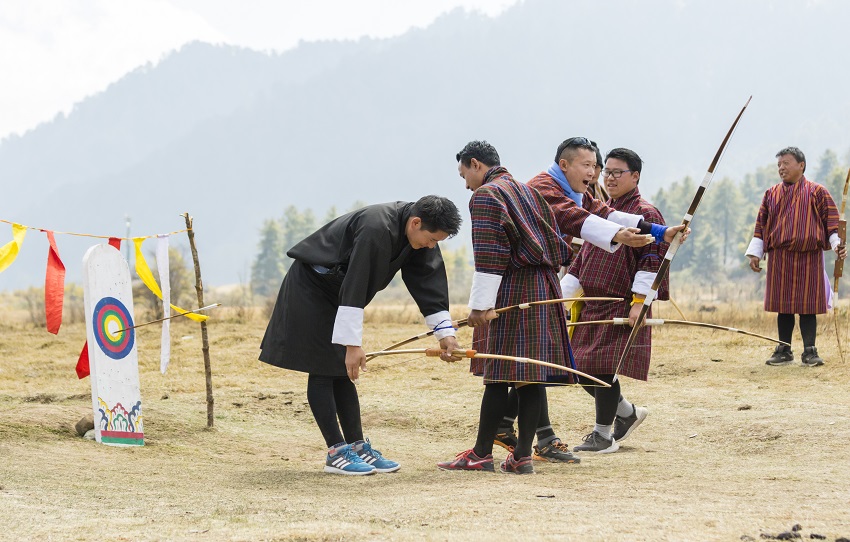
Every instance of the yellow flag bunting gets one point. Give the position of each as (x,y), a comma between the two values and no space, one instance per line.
(9,251)
(146,275)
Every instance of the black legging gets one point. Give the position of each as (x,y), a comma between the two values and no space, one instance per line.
(494,404)
(513,406)
(331,397)
(607,399)
(808,327)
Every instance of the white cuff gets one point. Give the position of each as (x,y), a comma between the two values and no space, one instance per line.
(756,248)
(600,232)
(834,240)
(348,326)
(625,219)
(643,282)
(443,321)
(485,287)
(570,286)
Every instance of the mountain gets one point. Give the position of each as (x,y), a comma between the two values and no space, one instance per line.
(234,136)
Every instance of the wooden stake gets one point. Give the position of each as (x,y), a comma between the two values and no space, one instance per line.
(205,341)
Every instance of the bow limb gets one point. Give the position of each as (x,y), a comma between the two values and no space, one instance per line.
(839,264)
(677,240)
(661,322)
(522,306)
(475,354)
(723,328)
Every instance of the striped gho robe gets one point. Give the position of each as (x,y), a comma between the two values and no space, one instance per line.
(598,348)
(518,251)
(593,221)
(795,224)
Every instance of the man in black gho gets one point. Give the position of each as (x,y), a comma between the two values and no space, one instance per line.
(317,323)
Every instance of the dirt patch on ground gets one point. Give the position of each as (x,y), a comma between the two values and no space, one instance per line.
(732,449)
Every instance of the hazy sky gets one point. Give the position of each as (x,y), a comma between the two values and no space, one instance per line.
(54,53)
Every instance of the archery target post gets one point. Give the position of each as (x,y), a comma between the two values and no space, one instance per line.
(116,396)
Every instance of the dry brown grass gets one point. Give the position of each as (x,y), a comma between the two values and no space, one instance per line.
(732,447)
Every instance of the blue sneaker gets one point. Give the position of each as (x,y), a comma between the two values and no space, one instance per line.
(343,460)
(373,457)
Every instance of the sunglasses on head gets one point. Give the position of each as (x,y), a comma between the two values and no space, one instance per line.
(581,141)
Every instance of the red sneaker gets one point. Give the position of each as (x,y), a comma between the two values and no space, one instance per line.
(469,461)
(523,465)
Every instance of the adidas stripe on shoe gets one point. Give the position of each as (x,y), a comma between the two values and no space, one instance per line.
(342,460)
(373,457)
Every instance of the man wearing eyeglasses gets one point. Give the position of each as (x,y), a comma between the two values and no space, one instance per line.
(628,274)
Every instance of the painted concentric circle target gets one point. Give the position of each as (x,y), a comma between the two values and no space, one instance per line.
(110,316)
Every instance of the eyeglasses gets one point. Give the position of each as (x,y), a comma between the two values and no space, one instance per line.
(616,173)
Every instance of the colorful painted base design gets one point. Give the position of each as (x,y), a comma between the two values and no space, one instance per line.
(117,426)
(109,316)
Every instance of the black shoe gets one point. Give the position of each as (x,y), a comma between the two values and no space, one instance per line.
(596,443)
(623,426)
(506,438)
(781,356)
(810,357)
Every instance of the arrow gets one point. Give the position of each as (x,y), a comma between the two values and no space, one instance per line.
(522,306)
(214,305)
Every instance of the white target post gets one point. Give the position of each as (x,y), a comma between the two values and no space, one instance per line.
(114,362)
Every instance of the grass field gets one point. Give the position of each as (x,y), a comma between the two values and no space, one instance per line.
(732,448)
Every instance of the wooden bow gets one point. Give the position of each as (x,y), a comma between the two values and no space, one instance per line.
(661,322)
(475,354)
(522,306)
(677,240)
(839,263)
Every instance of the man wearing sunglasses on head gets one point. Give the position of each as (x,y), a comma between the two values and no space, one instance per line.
(627,274)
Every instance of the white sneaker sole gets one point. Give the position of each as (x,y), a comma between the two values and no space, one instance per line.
(393,469)
(610,449)
(641,413)
(334,470)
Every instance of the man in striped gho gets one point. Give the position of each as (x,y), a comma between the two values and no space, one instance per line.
(797,221)
(518,251)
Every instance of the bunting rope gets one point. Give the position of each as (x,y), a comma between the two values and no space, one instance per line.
(18,224)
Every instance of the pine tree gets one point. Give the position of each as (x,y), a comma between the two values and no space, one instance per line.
(296,225)
(267,270)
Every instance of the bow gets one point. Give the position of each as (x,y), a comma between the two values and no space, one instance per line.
(677,240)
(522,306)
(475,354)
(661,322)
(839,263)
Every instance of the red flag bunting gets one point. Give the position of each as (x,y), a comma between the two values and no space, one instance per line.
(83,369)
(54,287)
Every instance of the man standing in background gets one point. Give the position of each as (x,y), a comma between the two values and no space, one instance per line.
(797,221)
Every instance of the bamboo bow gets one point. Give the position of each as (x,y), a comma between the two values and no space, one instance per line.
(522,306)
(839,263)
(661,322)
(677,240)
(475,354)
